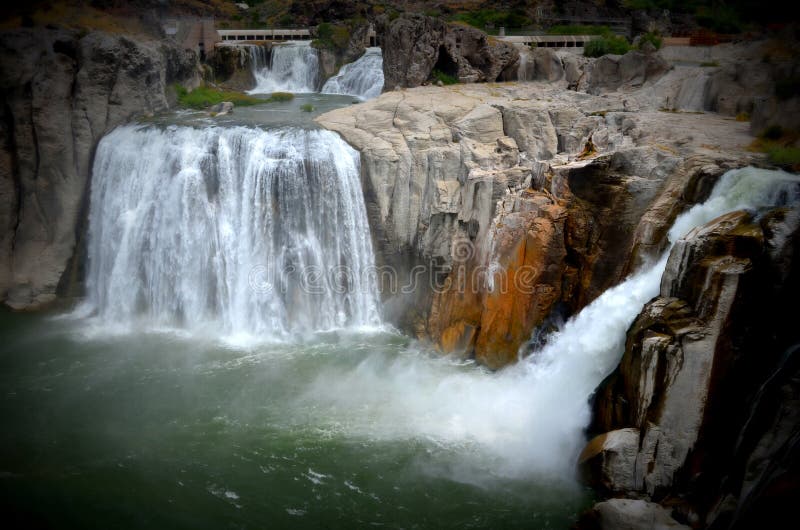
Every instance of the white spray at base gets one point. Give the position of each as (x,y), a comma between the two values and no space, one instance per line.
(527,419)
(362,78)
(293,67)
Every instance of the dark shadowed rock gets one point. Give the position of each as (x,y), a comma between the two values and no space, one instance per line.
(415,45)
(62,93)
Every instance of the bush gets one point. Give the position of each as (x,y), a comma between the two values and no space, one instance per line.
(444,78)
(713,64)
(307,107)
(784,156)
(652,38)
(331,37)
(279,97)
(491,17)
(204,97)
(605,45)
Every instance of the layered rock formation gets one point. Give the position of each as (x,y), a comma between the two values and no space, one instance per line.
(62,92)
(415,45)
(526,200)
(701,413)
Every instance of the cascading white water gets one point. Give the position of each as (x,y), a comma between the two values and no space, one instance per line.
(258,56)
(362,78)
(530,417)
(238,230)
(293,67)
(525,70)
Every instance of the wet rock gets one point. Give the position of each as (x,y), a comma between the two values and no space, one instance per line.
(221,109)
(629,514)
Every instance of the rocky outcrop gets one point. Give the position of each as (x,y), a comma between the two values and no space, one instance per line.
(629,514)
(233,65)
(632,70)
(62,92)
(703,406)
(415,45)
(524,200)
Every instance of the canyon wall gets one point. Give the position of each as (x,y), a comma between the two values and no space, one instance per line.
(62,92)
(527,201)
(701,414)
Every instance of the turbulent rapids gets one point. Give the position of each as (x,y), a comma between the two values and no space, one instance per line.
(243,230)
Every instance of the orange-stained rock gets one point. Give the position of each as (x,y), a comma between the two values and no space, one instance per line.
(494,301)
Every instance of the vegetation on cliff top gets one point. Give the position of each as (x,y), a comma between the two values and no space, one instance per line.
(606,44)
(203,97)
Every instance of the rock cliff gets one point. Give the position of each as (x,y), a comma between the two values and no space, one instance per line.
(62,92)
(701,413)
(526,200)
(415,45)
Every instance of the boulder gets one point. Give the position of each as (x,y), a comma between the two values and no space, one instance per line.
(221,109)
(629,514)
(632,70)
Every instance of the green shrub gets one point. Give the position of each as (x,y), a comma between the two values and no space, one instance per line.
(652,38)
(203,97)
(784,156)
(482,18)
(607,44)
(331,37)
(709,64)
(446,79)
(279,97)
(578,29)
(307,107)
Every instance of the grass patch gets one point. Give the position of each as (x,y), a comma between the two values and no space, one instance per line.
(784,156)
(280,97)
(307,107)
(613,44)
(743,116)
(446,79)
(780,146)
(578,29)
(203,97)
(709,64)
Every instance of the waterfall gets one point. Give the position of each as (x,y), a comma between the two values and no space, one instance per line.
(258,57)
(293,67)
(528,418)
(362,78)
(526,68)
(241,231)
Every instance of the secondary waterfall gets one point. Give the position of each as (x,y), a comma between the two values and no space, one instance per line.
(238,230)
(293,67)
(362,78)
(529,417)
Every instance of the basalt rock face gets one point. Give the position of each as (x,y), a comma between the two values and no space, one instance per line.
(704,404)
(233,66)
(527,201)
(62,92)
(415,45)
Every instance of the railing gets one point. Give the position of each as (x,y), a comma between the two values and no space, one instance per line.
(232,36)
(551,41)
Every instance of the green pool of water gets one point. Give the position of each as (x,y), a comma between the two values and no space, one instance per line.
(168,430)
